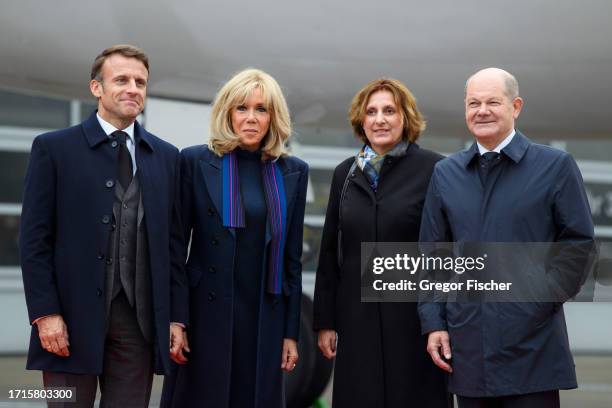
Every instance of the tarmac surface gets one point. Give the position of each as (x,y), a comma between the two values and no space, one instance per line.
(594,377)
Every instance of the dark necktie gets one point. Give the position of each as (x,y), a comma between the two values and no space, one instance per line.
(124,164)
(486,162)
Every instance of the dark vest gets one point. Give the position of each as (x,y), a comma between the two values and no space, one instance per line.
(128,269)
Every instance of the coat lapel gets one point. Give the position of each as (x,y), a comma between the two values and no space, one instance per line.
(211,168)
(290,179)
(362,182)
(147,172)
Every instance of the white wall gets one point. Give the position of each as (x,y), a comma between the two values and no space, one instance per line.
(180,123)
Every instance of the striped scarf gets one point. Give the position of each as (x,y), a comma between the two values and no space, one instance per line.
(371,162)
(274,192)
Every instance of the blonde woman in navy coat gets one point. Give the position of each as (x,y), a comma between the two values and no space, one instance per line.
(243,201)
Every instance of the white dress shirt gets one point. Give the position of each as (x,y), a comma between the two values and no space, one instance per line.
(482,150)
(129,140)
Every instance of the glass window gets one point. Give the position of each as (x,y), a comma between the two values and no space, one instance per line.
(12,172)
(320,182)
(326,137)
(9,233)
(600,199)
(87,108)
(312,244)
(30,111)
(584,149)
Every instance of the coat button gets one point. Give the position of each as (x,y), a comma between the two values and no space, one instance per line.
(110,183)
(125,206)
(211,212)
(105,219)
(211,296)
(109,261)
(215,241)
(100,256)
(114,143)
(99,292)
(212,269)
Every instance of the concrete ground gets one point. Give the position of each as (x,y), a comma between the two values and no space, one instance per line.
(594,376)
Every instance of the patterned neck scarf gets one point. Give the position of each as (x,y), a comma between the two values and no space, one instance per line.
(370,162)
(274,192)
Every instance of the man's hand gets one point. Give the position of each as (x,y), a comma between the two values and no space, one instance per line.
(178,343)
(53,335)
(327,343)
(435,341)
(290,355)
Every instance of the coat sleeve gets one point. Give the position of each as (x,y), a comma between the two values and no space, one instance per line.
(37,234)
(293,259)
(434,228)
(326,284)
(575,249)
(179,294)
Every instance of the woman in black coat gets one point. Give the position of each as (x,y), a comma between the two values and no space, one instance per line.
(381,360)
(243,200)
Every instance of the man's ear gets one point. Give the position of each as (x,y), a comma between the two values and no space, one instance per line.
(517,104)
(96,88)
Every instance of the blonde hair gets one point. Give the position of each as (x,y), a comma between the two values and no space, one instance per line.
(413,120)
(234,93)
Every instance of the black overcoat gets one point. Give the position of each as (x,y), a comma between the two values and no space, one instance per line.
(65,223)
(381,359)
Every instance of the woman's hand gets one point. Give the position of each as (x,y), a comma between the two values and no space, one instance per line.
(327,343)
(290,355)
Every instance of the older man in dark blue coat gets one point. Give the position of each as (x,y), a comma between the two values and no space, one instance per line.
(99,240)
(504,188)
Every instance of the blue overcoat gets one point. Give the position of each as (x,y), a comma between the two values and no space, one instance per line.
(537,196)
(205,379)
(65,223)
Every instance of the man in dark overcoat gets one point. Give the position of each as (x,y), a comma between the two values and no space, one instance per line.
(504,188)
(99,245)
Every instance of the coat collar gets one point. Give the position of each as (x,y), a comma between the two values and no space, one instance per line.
(515,150)
(95,134)
(217,162)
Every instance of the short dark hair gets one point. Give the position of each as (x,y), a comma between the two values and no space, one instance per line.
(128,51)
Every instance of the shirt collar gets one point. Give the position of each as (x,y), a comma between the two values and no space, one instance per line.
(108,128)
(482,150)
(515,150)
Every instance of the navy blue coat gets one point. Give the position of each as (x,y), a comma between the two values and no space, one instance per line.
(506,348)
(65,223)
(205,379)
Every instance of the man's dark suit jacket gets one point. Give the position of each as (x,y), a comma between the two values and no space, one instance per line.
(65,223)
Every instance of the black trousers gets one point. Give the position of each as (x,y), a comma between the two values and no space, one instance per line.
(127,375)
(546,399)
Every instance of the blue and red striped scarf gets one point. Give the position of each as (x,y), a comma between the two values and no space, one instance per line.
(274,192)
